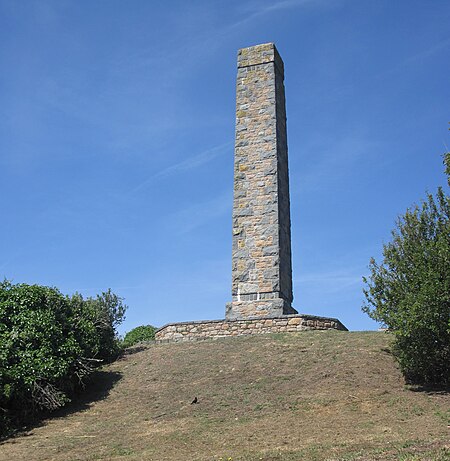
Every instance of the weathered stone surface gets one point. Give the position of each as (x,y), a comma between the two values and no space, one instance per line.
(298,321)
(211,329)
(261,254)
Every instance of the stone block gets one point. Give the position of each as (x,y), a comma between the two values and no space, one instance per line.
(295,321)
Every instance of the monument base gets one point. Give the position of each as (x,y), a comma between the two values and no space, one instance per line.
(258,308)
(214,329)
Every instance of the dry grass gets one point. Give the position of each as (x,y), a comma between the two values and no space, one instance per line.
(307,396)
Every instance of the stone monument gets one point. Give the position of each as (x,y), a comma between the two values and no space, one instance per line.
(261,290)
(261,255)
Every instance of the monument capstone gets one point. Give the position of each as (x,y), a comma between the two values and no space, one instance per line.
(261,292)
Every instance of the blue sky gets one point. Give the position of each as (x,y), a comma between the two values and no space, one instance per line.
(116,143)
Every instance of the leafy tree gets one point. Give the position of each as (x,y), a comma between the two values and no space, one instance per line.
(410,291)
(138,334)
(96,320)
(49,345)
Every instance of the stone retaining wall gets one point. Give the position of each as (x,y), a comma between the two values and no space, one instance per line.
(212,329)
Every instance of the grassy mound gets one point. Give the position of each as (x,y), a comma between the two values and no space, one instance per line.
(312,395)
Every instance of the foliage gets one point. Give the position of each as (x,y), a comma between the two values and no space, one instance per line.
(138,334)
(96,320)
(49,345)
(447,166)
(410,291)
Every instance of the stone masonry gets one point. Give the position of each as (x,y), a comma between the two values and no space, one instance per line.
(212,329)
(261,253)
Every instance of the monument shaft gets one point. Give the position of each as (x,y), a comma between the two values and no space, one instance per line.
(262,272)
(261,254)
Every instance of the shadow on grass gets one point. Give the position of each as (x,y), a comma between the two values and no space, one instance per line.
(97,388)
(135,349)
(429,389)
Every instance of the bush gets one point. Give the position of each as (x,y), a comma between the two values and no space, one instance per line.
(96,320)
(49,345)
(409,291)
(138,334)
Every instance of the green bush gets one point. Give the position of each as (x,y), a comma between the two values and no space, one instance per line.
(138,334)
(96,320)
(409,291)
(49,344)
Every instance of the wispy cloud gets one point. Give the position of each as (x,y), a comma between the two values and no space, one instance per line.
(417,57)
(189,164)
(287,4)
(256,9)
(93,290)
(329,282)
(333,161)
(194,216)
(8,263)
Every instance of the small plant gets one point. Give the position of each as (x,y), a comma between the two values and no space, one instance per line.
(139,334)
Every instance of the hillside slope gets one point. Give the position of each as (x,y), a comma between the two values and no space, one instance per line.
(314,395)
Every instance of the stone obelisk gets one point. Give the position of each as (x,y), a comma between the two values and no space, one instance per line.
(261,255)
